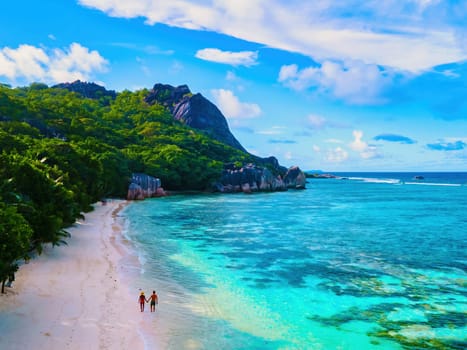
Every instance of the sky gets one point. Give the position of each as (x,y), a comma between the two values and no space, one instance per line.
(376,85)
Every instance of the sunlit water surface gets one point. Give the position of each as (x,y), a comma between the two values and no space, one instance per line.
(367,261)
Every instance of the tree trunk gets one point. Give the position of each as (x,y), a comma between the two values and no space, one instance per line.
(3,286)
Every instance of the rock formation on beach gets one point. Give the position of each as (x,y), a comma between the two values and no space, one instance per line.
(144,186)
(247,179)
(252,178)
(295,178)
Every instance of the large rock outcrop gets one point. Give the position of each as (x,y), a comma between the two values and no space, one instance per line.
(199,113)
(88,90)
(144,186)
(295,178)
(168,95)
(195,111)
(252,178)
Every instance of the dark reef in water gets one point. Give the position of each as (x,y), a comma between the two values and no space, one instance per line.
(411,334)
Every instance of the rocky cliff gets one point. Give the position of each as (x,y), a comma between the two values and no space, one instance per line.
(195,111)
(199,113)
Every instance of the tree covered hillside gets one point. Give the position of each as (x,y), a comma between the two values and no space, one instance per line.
(61,151)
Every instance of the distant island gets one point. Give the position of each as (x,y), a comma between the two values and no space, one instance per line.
(70,145)
(319,175)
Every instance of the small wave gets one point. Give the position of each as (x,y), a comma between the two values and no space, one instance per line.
(401,182)
(376,180)
(432,184)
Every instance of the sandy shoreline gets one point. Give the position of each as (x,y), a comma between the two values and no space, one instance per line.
(75,296)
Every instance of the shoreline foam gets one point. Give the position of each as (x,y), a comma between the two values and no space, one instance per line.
(75,296)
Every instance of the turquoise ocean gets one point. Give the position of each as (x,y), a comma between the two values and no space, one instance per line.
(362,261)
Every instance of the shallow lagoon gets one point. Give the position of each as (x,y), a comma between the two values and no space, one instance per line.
(370,262)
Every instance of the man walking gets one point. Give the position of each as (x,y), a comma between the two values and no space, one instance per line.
(154,301)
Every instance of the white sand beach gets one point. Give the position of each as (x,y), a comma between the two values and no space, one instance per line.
(74,297)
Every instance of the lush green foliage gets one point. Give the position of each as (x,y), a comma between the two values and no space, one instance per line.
(15,234)
(60,152)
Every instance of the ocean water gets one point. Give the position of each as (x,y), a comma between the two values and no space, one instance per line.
(364,261)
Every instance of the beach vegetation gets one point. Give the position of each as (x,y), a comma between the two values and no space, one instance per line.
(15,235)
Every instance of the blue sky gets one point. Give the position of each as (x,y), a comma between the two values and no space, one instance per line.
(332,85)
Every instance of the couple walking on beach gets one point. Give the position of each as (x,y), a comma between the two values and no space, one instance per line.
(153,298)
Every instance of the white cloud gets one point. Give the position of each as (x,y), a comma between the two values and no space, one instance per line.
(337,155)
(51,66)
(274,130)
(406,35)
(365,150)
(455,139)
(154,50)
(25,61)
(423,4)
(231,76)
(241,58)
(357,144)
(370,152)
(289,72)
(232,107)
(236,82)
(352,81)
(148,49)
(77,63)
(176,67)
(316,121)
(333,141)
(144,66)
